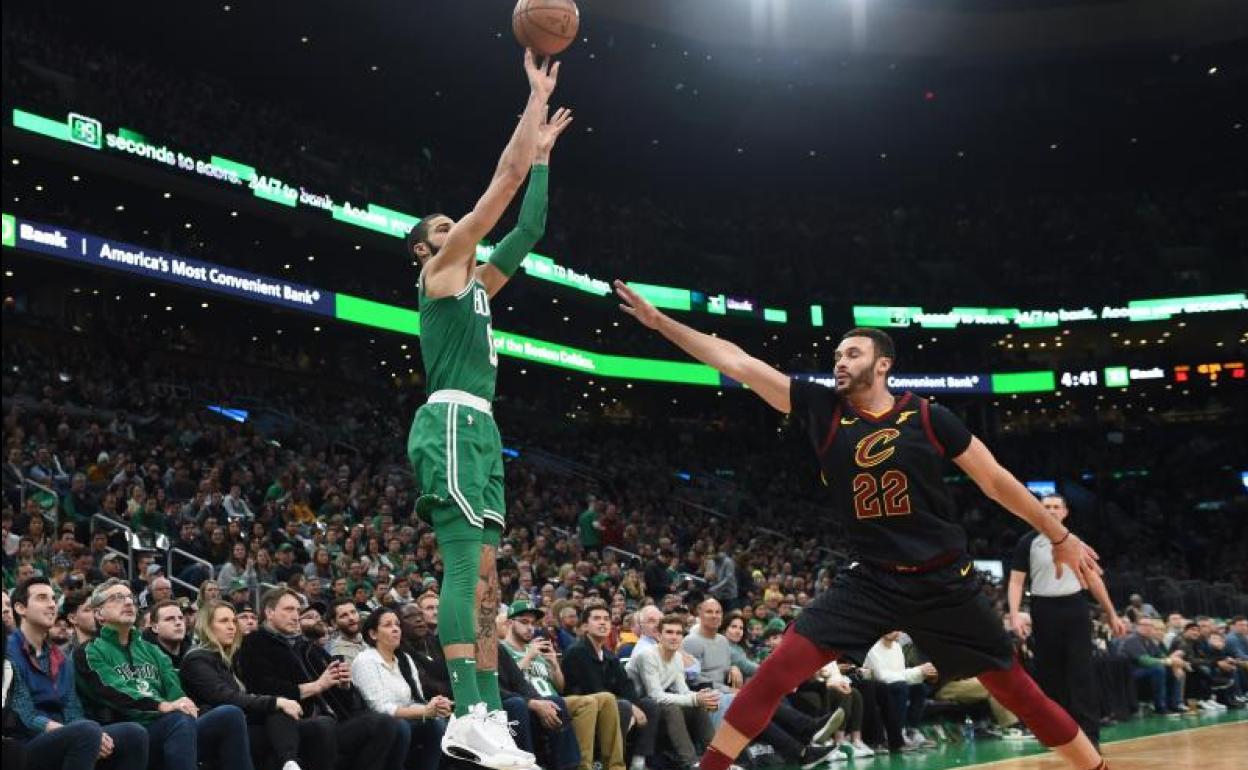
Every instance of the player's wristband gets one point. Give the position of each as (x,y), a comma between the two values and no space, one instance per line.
(1064,538)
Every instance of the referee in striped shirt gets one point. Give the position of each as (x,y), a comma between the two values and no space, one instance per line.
(1061,622)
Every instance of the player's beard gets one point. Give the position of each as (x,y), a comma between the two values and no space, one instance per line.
(856,382)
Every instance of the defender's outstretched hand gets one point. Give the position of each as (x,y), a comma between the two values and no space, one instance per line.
(1077,555)
(550,131)
(542,77)
(637,307)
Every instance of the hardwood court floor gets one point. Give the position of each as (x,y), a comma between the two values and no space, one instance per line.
(1148,743)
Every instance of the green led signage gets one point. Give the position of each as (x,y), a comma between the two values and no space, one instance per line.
(898,317)
(88,132)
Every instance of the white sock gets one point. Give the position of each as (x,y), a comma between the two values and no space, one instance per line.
(291,765)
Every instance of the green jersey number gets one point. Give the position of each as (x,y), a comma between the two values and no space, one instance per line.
(481,306)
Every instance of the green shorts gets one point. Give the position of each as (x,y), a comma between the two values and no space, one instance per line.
(457,458)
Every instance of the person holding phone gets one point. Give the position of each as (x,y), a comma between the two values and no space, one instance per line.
(277,659)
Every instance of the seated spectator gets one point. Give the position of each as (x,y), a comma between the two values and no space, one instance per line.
(1151,664)
(1226,669)
(589,667)
(682,713)
(568,622)
(52,730)
(595,718)
(277,659)
(1175,623)
(525,705)
(240,567)
(425,649)
(159,589)
(390,684)
(167,631)
(235,504)
(245,616)
(734,631)
(907,693)
(312,622)
(789,730)
(1138,608)
(274,723)
(123,678)
(648,618)
(429,602)
(845,697)
(1199,681)
(209,591)
(1237,648)
(76,608)
(346,640)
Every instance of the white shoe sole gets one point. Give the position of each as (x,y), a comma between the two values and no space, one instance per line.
(456,750)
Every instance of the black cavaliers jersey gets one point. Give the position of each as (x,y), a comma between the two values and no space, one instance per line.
(886,473)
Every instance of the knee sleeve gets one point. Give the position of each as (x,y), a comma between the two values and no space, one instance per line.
(793,663)
(461,560)
(1019,693)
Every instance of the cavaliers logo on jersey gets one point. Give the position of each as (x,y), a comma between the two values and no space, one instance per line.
(871,450)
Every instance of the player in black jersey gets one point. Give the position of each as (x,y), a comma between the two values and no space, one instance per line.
(882,455)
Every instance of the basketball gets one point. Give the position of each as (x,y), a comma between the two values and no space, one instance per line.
(546,26)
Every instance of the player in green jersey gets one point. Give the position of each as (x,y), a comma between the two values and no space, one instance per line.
(454,443)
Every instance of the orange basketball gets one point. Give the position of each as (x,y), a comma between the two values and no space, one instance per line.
(546,26)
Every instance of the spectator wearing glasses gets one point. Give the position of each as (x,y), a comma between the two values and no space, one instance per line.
(52,727)
(122,677)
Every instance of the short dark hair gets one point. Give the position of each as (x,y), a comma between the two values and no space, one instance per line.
(672,619)
(21,594)
(153,612)
(419,234)
(274,595)
(884,346)
(72,601)
(591,609)
(1237,618)
(336,603)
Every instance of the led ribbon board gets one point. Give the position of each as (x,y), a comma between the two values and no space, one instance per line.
(107,254)
(900,317)
(103,253)
(89,132)
(981,383)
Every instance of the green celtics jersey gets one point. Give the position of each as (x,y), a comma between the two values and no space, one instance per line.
(538,672)
(457,341)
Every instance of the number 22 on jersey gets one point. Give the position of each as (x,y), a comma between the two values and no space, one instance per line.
(885,495)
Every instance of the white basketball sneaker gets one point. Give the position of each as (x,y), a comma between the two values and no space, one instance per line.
(502,729)
(475,737)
